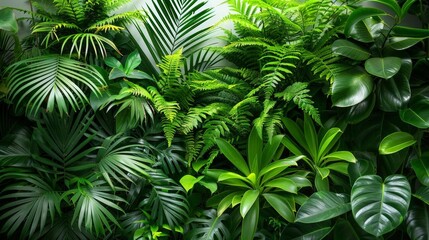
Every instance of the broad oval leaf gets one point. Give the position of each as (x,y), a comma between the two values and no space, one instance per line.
(8,21)
(421,168)
(322,206)
(422,194)
(350,50)
(188,181)
(249,198)
(402,43)
(383,67)
(417,222)
(395,142)
(351,87)
(379,207)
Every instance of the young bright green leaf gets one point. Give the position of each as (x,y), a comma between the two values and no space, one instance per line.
(254,150)
(133,61)
(250,223)
(351,87)
(420,165)
(321,184)
(249,198)
(233,156)
(340,167)
(323,172)
(233,176)
(328,141)
(379,207)
(350,50)
(226,202)
(282,164)
(113,63)
(360,14)
(395,142)
(385,67)
(188,181)
(212,186)
(281,205)
(270,150)
(340,155)
(322,206)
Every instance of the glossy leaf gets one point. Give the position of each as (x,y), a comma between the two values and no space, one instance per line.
(351,87)
(250,223)
(377,206)
(322,206)
(405,7)
(328,141)
(420,166)
(417,222)
(401,31)
(133,61)
(417,114)
(364,166)
(284,184)
(340,155)
(188,181)
(315,235)
(402,43)
(383,67)
(233,156)
(422,194)
(281,205)
(254,150)
(395,142)
(391,4)
(248,200)
(350,50)
(360,111)
(394,93)
(343,230)
(358,15)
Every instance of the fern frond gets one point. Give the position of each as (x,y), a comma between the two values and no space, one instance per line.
(168,108)
(323,63)
(243,105)
(196,115)
(117,20)
(71,9)
(193,145)
(298,92)
(265,114)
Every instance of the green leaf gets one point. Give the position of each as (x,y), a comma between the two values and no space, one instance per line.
(394,94)
(350,50)
(188,181)
(351,87)
(282,164)
(270,150)
(133,61)
(377,206)
(321,184)
(8,21)
(405,7)
(322,206)
(358,15)
(360,111)
(343,230)
(417,222)
(417,113)
(340,155)
(364,166)
(328,141)
(392,4)
(311,137)
(254,150)
(422,194)
(281,205)
(284,184)
(113,63)
(233,156)
(395,142)
(385,67)
(402,43)
(401,31)
(249,198)
(250,222)
(212,186)
(420,166)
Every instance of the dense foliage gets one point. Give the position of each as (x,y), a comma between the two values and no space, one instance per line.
(306,120)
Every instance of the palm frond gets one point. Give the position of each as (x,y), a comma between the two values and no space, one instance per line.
(85,43)
(167,201)
(51,28)
(53,80)
(117,158)
(116,21)
(15,149)
(29,202)
(94,204)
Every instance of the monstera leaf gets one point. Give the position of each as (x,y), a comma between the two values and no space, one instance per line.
(377,206)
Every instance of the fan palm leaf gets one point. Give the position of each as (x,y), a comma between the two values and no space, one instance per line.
(16,149)
(53,81)
(29,201)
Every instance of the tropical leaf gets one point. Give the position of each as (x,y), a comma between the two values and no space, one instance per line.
(417,222)
(15,148)
(51,80)
(379,207)
(208,226)
(29,201)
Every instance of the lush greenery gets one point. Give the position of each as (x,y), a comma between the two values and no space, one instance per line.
(307,120)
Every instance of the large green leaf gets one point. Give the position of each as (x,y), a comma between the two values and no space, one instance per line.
(358,15)
(248,200)
(322,206)
(250,223)
(208,226)
(402,31)
(350,50)
(51,80)
(343,230)
(361,111)
(394,93)
(422,194)
(281,204)
(377,206)
(385,67)
(402,43)
(417,222)
(7,20)
(351,87)
(417,113)
(395,142)
(420,166)
(254,150)
(233,155)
